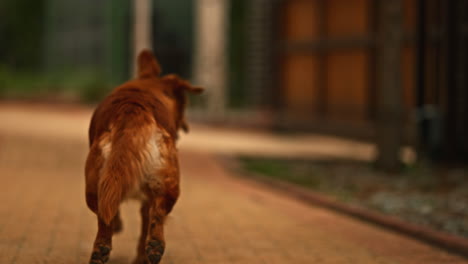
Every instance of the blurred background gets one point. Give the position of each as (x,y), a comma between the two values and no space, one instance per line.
(363,100)
(339,67)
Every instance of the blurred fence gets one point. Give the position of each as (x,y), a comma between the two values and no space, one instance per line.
(80,49)
(293,64)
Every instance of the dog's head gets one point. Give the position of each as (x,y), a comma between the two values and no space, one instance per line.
(173,87)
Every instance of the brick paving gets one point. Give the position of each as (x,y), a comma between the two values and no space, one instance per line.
(219,218)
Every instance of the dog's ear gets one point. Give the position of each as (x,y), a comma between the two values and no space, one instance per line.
(194,89)
(177,87)
(148,66)
(184,126)
(179,83)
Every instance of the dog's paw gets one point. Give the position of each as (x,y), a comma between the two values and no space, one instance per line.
(100,255)
(155,251)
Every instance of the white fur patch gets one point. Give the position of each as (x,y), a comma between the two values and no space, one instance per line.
(106,148)
(152,162)
(152,153)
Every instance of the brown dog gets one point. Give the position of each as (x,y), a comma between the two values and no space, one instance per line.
(132,154)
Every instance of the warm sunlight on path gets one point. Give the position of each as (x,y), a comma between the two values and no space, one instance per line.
(219,218)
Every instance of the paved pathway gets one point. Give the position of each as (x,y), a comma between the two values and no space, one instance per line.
(219,218)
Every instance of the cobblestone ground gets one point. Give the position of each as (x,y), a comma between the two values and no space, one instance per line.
(219,218)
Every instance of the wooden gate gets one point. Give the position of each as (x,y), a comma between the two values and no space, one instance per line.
(328,55)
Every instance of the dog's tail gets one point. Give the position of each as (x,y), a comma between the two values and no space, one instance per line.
(117,176)
(111,186)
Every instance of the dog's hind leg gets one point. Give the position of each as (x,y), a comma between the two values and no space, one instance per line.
(159,207)
(117,224)
(103,243)
(156,244)
(141,257)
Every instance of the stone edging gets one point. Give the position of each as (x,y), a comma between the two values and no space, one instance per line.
(437,238)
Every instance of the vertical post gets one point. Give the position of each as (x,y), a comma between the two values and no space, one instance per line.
(389,97)
(461,79)
(322,57)
(141,28)
(260,50)
(210,67)
(263,30)
(450,121)
(117,41)
(420,76)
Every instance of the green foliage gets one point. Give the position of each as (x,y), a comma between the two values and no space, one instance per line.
(294,172)
(237,54)
(173,35)
(94,90)
(118,17)
(84,85)
(21,32)
(265,166)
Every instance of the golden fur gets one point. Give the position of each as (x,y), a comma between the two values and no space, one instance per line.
(132,139)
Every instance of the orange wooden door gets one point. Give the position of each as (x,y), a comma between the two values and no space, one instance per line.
(329,60)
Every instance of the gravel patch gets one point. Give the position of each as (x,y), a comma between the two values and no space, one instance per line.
(422,194)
